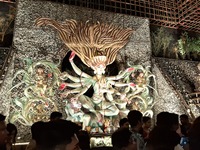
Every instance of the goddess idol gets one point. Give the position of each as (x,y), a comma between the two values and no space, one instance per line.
(96,45)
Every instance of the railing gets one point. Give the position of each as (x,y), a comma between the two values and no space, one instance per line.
(195,94)
(194,98)
(183,14)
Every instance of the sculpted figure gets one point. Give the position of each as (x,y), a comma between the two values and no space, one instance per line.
(102,102)
(41,81)
(97,45)
(73,111)
(34,94)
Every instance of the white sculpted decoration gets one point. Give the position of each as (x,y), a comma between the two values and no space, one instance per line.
(109,99)
(97,46)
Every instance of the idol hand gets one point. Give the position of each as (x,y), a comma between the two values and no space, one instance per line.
(72,56)
(129,69)
(132,84)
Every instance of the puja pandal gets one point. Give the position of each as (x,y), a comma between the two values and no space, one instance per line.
(39,87)
(97,45)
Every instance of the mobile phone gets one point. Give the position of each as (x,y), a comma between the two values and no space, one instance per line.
(184,141)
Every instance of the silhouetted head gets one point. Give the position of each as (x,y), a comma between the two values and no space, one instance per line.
(36,129)
(174,121)
(146,121)
(55,116)
(162,119)
(121,139)
(184,119)
(135,118)
(12,132)
(60,134)
(123,123)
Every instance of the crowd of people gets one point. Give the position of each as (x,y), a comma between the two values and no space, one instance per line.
(136,132)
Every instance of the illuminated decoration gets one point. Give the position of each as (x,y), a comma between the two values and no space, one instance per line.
(113,96)
(89,41)
(39,81)
(100,141)
(97,46)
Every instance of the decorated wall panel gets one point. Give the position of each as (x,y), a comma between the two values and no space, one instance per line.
(34,45)
(166,99)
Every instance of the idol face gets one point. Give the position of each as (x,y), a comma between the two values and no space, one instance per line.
(99,69)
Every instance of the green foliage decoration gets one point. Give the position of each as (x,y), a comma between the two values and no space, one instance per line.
(35,89)
(188,45)
(160,41)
